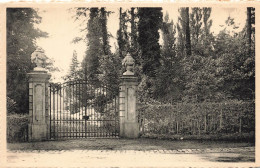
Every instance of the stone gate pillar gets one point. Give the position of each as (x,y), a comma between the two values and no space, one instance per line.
(38,99)
(129,127)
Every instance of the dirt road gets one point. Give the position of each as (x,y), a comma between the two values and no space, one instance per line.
(129,153)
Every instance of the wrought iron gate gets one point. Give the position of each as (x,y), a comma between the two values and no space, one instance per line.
(80,109)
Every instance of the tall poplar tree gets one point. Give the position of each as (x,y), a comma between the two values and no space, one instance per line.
(122,34)
(184,31)
(103,20)
(207,37)
(134,48)
(196,29)
(187,32)
(150,21)
(250,27)
(90,62)
(109,63)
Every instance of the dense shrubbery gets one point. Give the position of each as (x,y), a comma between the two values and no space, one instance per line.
(11,106)
(196,119)
(17,128)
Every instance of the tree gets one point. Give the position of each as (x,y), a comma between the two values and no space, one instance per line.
(250,27)
(199,68)
(169,39)
(103,21)
(249,63)
(74,72)
(195,24)
(109,63)
(195,29)
(207,37)
(122,34)
(90,64)
(21,36)
(187,32)
(236,65)
(184,31)
(150,21)
(168,82)
(206,21)
(202,80)
(134,47)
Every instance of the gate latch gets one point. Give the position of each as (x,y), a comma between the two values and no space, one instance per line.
(85,117)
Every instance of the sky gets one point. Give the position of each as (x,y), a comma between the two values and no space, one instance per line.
(62,29)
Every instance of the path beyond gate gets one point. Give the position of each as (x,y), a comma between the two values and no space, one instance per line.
(80,109)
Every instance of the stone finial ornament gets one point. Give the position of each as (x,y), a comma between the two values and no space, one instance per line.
(39,58)
(128,62)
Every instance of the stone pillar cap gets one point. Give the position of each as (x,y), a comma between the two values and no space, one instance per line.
(128,62)
(39,58)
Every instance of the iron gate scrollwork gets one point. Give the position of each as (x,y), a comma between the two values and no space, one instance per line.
(82,108)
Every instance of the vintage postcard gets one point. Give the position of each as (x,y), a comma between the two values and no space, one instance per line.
(129,84)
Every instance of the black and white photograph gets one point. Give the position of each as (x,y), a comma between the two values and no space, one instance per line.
(129,85)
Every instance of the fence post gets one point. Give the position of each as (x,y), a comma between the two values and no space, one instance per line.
(240,124)
(221,119)
(129,127)
(205,123)
(38,98)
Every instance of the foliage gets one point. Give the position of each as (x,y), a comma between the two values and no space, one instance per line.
(99,64)
(183,27)
(168,82)
(236,66)
(134,46)
(17,128)
(21,36)
(11,106)
(105,38)
(90,62)
(195,25)
(122,34)
(150,21)
(100,67)
(75,71)
(111,66)
(198,118)
(192,66)
(109,63)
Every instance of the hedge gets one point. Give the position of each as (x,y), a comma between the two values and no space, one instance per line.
(195,119)
(17,128)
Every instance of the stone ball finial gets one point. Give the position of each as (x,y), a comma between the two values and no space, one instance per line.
(39,58)
(128,62)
